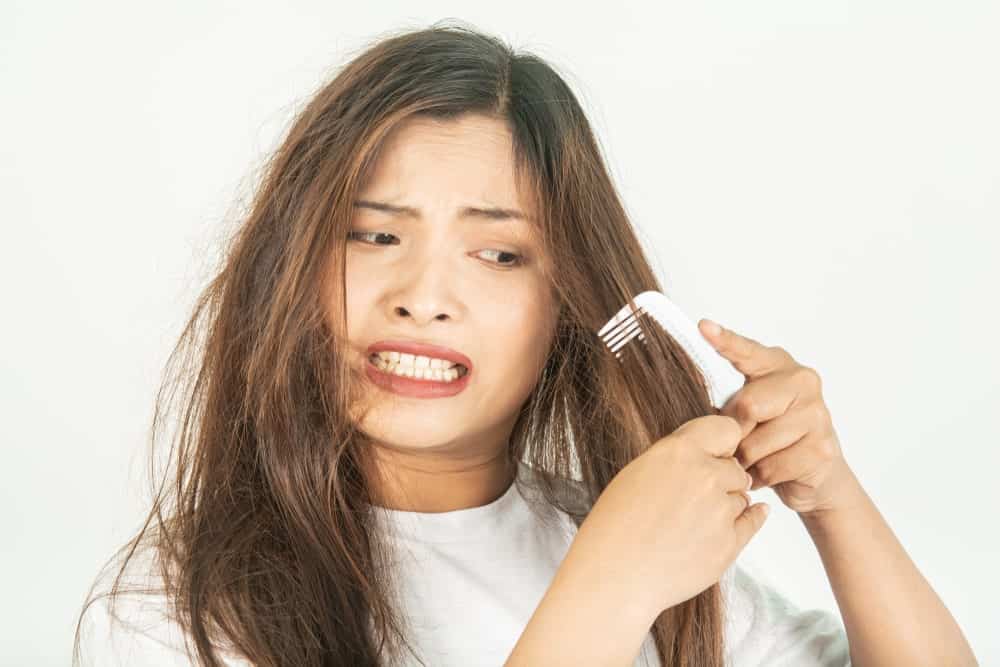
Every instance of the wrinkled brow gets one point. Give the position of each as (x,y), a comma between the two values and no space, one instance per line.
(483,214)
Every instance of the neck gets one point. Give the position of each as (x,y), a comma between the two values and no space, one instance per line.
(411,482)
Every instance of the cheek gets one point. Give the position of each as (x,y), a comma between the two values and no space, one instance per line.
(360,295)
(523,332)
(357,310)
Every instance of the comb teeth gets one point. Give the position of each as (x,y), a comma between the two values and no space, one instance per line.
(622,328)
(722,378)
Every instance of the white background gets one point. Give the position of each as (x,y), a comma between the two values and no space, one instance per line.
(820,176)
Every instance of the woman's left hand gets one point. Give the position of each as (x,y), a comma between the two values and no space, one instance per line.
(788,436)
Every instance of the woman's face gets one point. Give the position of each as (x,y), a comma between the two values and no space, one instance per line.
(469,282)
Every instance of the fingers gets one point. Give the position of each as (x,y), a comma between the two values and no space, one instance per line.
(740,501)
(749,523)
(731,475)
(719,435)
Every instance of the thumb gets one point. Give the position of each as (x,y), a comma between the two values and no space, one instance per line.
(750,522)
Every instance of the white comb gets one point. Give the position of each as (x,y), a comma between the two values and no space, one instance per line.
(722,378)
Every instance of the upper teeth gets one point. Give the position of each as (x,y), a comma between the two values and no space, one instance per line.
(415,360)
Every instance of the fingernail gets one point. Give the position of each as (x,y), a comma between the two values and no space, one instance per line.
(749,480)
(766,509)
(712,327)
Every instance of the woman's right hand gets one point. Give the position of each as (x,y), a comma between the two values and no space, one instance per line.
(671,521)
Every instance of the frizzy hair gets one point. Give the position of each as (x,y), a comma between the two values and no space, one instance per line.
(260,530)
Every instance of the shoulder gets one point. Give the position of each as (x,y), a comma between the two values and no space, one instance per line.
(137,630)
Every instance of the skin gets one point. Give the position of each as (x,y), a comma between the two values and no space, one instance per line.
(891,614)
(442,279)
(444,454)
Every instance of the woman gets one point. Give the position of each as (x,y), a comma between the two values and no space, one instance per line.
(442,207)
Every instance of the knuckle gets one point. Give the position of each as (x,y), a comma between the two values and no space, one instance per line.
(719,483)
(666,448)
(710,483)
(782,351)
(822,415)
(826,449)
(733,424)
(748,408)
(818,413)
(810,377)
(738,502)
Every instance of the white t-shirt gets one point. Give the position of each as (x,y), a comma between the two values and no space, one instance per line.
(469,580)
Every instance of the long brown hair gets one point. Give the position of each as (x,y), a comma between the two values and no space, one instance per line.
(260,529)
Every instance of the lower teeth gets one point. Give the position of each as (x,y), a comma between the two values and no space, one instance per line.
(391,370)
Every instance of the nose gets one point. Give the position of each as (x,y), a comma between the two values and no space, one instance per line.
(403,311)
(425,291)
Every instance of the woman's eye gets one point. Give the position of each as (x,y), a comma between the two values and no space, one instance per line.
(514,258)
(517,261)
(354,234)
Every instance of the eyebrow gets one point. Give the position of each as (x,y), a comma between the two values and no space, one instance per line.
(485,214)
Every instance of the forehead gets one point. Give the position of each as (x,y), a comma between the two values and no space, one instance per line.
(462,162)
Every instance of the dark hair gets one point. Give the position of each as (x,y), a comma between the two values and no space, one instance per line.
(262,535)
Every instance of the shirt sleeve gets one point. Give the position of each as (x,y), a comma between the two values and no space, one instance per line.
(765,628)
(139,635)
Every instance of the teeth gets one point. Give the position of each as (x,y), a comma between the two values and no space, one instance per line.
(417,366)
(416,361)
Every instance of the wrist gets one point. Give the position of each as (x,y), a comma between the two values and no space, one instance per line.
(582,576)
(585,617)
(850,498)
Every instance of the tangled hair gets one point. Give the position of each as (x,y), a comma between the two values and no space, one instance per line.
(263,542)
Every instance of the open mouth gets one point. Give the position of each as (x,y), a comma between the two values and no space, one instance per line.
(409,371)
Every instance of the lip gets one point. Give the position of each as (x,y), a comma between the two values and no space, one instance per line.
(412,387)
(426,349)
